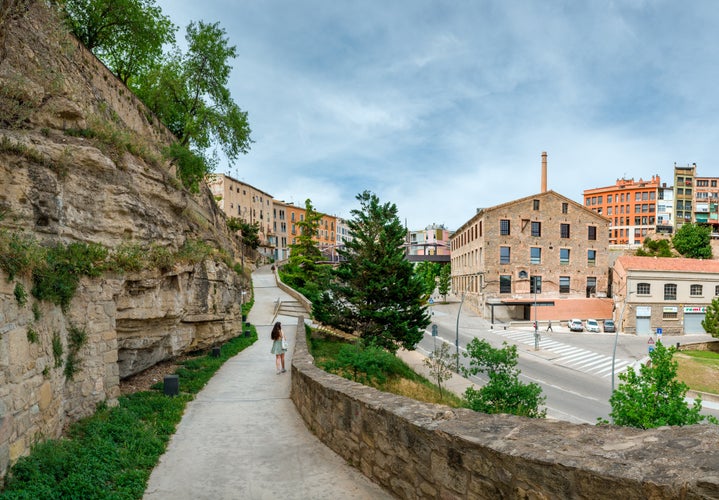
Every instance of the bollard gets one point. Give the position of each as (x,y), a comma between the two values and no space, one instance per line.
(171,385)
(215,352)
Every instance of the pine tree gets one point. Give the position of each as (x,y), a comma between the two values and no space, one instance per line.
(376,289)
(305,253)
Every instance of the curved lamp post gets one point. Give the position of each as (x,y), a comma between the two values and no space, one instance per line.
(616,335)
(456,337)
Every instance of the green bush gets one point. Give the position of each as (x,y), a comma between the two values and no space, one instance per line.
(194,251)
(128,257)
(191,167)
(161,258)
(32,336)
(57,348)
(36,313)
(364,363)
(20,294)
(19,254)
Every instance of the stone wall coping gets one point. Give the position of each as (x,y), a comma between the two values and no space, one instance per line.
(421,450)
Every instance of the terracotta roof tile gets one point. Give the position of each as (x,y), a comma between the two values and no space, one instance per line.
(631,262)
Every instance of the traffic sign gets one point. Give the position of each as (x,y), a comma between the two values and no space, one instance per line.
(659,332)
(434,330)
(650,341)
(431,301)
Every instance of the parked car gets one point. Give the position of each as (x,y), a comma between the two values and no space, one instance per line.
(575,325)
(609,326)
(592,325)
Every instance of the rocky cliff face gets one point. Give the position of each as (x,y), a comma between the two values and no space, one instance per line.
(80,160)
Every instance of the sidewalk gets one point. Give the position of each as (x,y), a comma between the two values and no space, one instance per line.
(242,438)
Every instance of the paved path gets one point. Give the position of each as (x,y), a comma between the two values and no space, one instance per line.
(242,438)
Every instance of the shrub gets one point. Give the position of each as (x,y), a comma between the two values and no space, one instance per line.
(128,257)
(19,254)
(32,336)
(57,349)
(161,258)
(20,294)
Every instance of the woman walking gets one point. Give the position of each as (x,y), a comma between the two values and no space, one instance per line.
(278,347)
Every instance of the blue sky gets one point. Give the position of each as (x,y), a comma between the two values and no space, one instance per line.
(442,107)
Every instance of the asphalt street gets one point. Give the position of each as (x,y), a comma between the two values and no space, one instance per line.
(574,369)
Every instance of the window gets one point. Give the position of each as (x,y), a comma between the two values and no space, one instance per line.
(609,198)
(670,291)
(637,196)
(564,284)
(716,290)
(565,207)
(670,313)
(536,229)
(505,284)
(591,285)
(695,290)
(564,230)
(504,255)
(592,232)
(591,257)
(535,284)
(504,227)
(535,255)
(643,288)
(535,204)
(564,256)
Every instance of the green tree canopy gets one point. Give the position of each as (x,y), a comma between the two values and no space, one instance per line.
(306,253)
(376,289)
(654,397)
(504,393)
(428,272)
(250,232)
(127,35)
(710,323)
(189,93)
(445,281)
(655,248)
(693,241)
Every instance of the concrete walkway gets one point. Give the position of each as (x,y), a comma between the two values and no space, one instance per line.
(242,438)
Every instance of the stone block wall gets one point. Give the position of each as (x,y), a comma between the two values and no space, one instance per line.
(419,450)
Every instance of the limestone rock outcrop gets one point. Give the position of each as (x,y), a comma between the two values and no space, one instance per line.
(81,161)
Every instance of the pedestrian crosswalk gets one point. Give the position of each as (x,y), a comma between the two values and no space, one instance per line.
(576,358)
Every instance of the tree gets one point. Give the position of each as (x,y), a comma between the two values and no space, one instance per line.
(445,281)
(653,397)
(440,363)
(655,248)
(305,253)
(250,232)
(127,35)
(504,393)
(376,291)
(428,272)
(189,93)
(710,323)
(693,241)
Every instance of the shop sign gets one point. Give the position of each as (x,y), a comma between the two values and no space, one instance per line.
(695,309)
(670,309)
(644,311)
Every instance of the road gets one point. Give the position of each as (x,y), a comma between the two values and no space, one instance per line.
(573,369)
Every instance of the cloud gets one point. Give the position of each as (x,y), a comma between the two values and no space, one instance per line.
(444,107)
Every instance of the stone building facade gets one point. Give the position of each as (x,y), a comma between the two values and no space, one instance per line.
(287,216)
(247,203)
(659,292)
(535,250)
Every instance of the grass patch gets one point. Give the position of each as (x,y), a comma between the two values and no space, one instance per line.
(376,368)
(699,370)
(112,453)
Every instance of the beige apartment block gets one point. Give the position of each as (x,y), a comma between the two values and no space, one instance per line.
(666,293)
(519,260)
(247,203)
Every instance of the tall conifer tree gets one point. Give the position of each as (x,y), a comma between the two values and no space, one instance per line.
(380,295)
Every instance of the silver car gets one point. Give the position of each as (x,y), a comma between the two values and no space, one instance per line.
(575,325)
(592,325)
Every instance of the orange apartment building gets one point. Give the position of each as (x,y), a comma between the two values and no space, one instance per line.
(287,216)
(630,206)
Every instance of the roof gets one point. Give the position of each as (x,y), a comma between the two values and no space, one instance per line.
(635,263)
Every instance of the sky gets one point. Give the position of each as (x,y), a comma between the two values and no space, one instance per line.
(444,107)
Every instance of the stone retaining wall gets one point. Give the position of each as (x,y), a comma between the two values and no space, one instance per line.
(419,450)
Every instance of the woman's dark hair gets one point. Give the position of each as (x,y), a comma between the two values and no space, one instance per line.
(275,335)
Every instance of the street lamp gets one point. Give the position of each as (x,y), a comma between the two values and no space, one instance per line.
(456,337)
(616,333)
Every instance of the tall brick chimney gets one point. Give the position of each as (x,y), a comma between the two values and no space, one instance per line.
(544,171)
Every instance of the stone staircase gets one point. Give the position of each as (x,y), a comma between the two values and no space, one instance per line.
(289,308)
